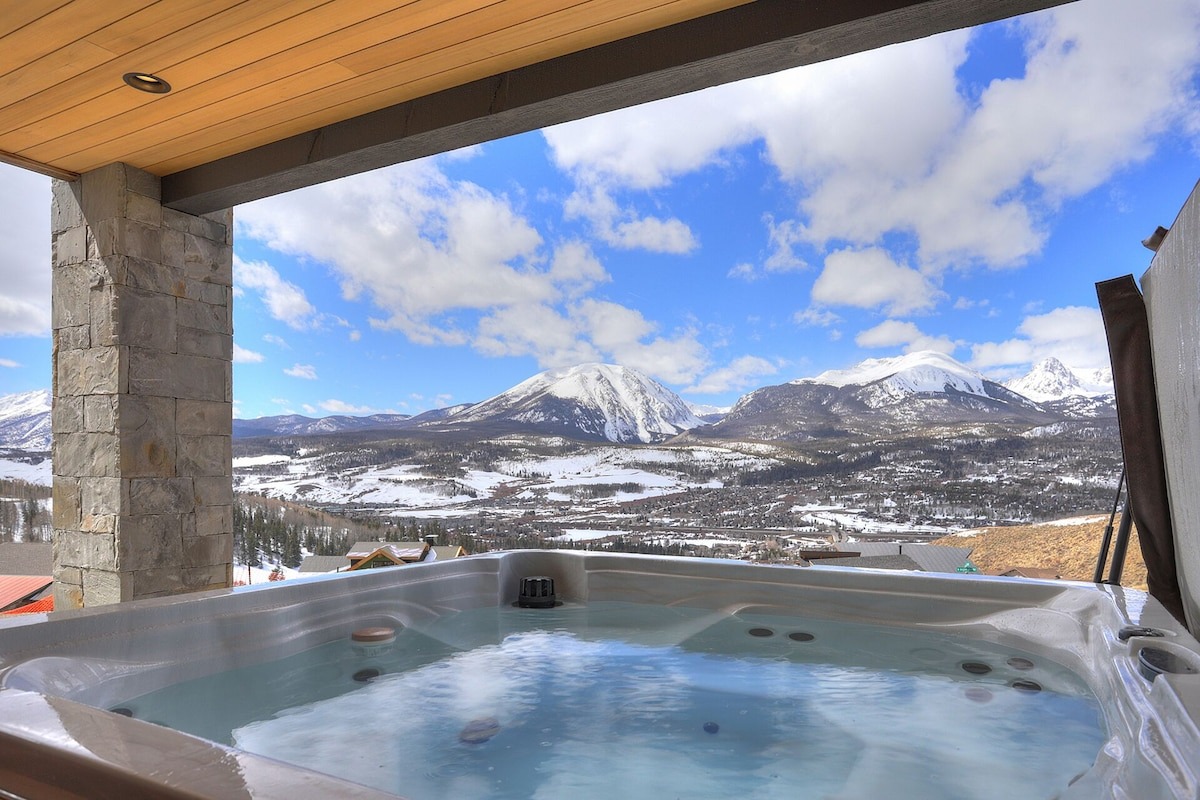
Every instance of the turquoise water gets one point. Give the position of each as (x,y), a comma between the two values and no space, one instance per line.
(620,700)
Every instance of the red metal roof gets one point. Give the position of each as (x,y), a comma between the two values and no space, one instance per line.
(36,607)
(18,587)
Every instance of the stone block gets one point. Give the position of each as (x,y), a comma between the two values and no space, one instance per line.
(212,293)
(102,495)
(213,521)
(98,523)
(144,319)
(77,337)
(103,587)
(96,370)
(125,237)
(101,553)
(204,316)
(71,548)
(72,575)
(65,494)
(68,595)
(144,183)
(157,581)
(86,455)
(69,246)
(206,551)
(224,218)
(103,315)
(151,276)
(70,296)
(215,491)
(195,342)
(64,206)
(215,576)
(101,192)
(149,541)
(203,456)
(140,208)
(207,260)
(100,413)
(161,496)
(203,418)
(67,415)
(182,376)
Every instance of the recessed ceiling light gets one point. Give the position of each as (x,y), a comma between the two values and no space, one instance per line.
(145,82)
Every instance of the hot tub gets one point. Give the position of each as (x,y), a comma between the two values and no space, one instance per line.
(984,642)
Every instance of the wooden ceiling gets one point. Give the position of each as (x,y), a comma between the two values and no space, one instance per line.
(248,72)
(268,95)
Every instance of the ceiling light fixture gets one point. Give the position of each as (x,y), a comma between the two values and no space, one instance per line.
(145,82)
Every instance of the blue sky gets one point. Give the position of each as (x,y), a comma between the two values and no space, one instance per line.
(961,193)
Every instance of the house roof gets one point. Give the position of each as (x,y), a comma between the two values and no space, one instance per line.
(902,562)
(929,557)
(41,606)
(16,588)
(443,552)
(267,97)
(398,551)
(26,558)
(323,563)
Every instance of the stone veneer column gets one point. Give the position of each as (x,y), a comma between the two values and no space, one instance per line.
(142,420)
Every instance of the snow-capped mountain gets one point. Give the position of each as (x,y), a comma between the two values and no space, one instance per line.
(893,379)
(1050,379)
(594,401)
(878,396)
(298,425)
(25,420)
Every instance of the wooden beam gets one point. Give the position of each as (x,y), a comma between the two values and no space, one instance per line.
(37,166)
(755,39)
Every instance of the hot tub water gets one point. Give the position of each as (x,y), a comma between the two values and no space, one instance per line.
(616,699)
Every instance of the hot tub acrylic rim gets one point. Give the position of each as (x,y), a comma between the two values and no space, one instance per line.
(1001,610)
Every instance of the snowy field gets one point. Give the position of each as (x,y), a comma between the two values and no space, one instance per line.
(40,474)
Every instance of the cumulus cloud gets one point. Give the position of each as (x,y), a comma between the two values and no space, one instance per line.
(447,262)
(8,363)
(870,278)
(243,356)
(342,407)
(891,142)
(623,227)
(1073,335)
(25,255)
(306,371)
(285,301)
(741,373)
(906,335)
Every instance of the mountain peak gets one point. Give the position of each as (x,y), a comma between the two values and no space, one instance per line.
(606,401)
(1051,379)
(922,371)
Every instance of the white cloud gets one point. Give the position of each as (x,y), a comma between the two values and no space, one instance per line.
(870,278)
(285,301)
(306,371)
(308,409)
(891,142)
(816,318)
(1073,335)
(8,363)
(741,373)
(25,254)
(243,356)
(278,341)
(355,335)
(623,227)
(894,333)
(342,407)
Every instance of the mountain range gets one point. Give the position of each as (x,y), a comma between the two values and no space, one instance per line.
(604,402)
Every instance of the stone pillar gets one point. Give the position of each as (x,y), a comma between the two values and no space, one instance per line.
(142,420)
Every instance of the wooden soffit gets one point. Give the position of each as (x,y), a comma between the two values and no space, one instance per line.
(271,95)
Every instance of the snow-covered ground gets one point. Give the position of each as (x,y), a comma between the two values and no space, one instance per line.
(13,469)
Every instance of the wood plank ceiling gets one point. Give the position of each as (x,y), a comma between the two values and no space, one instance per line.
(245,73)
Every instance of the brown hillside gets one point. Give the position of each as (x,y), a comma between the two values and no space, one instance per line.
(1069,549)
